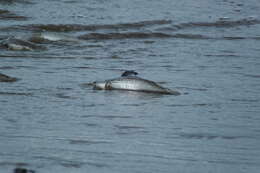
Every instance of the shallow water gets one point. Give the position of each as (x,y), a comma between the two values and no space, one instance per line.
(51,121)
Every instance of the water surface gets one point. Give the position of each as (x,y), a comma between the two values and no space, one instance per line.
(51,121)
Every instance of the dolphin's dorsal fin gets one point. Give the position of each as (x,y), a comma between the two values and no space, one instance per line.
(129,73)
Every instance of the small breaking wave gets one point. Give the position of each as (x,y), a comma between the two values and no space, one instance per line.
(17,44)
(45,37)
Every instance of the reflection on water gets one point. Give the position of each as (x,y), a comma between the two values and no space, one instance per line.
(51,120)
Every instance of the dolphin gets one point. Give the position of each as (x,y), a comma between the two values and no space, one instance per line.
(130,82)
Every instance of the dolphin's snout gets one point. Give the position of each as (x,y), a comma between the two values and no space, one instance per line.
(99,85)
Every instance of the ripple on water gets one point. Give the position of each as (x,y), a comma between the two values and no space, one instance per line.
(7,15)
(129,130)
(191,88)
(80,27)
(16,94)
(70,163)
(15,164)
(245,100)
(210,136)
(64,96)
(88,142)
(110,117)
(252,75)
(216,24)
(7,67)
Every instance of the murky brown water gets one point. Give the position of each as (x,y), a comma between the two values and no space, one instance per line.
(51,121)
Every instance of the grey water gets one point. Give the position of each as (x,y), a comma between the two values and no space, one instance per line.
(208,50)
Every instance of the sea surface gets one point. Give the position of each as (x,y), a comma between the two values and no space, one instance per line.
(52,121)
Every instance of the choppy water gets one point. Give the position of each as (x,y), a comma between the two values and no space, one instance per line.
(50,121)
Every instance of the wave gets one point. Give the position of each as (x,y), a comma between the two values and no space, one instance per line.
(164,25)
(191,36)
(139,35)
(80,27)
(147,35)
(128,35)
(240,38)
(7,15)
(210,136)
(218,24)
(9,2)
(15,94)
